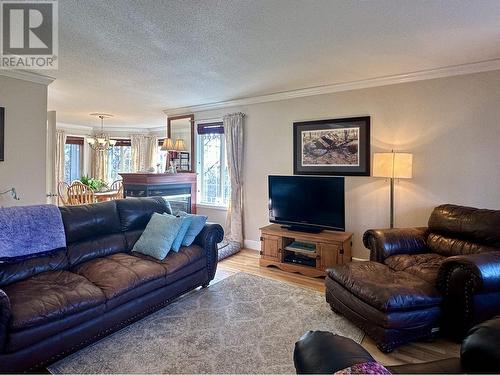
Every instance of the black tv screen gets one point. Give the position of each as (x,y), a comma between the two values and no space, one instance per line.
(307,202)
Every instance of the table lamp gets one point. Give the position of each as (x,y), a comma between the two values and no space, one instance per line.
(168,145)
(392,165)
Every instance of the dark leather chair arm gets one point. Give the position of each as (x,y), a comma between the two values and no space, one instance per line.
(208,239)
(480,351)
(4,318)
(321,352)
(470,285)
(480,271)
(383,243)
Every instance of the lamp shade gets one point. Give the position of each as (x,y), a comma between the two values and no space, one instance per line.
(168,145)
(392,164)
(180,145)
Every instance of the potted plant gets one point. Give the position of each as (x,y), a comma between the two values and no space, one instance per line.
(94,183)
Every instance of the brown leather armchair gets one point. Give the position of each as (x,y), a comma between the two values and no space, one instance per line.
(445,276)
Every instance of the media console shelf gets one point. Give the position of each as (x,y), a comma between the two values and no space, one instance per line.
(316,251)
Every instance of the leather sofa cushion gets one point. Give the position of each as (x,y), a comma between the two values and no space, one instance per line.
(96,247)
(135,213)
(449,246)
(385,289)
(90,221)
(175,261)
(119,273)
(50,296)
(471,224)
(131,237)
(11,272)
(423,266)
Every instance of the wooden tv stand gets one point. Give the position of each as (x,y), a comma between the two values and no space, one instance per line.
(330,248)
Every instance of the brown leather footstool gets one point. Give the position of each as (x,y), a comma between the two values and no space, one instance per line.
(392,307)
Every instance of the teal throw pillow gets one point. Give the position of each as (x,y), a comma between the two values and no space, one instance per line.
(195,227)
(186,222)
(156,240)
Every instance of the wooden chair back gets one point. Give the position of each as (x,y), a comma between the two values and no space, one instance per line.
(79,193)
(118,186)
(62,192)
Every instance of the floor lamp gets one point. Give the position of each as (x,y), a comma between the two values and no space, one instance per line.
(392,165)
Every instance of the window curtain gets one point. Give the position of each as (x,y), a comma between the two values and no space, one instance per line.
(152,155)
(144,152)
(139,152)
(99,164)
(233,130)
(59,156)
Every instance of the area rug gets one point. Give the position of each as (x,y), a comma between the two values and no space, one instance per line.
(242,324)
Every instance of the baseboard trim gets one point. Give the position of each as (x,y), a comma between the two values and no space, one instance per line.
(251,244)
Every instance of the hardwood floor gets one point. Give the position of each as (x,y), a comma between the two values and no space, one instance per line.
(248,261)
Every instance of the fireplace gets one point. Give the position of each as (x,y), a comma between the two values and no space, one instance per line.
(178,189)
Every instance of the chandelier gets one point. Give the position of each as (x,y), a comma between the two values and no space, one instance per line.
(100,141)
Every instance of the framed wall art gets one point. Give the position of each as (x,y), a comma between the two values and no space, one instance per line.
(337,147)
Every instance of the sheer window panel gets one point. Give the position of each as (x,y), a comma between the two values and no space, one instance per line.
(213,178)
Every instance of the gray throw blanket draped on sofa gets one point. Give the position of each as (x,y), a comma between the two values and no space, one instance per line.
(30,230)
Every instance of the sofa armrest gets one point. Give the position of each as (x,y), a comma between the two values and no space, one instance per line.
(480,271)
(470,285)
(321,352)
(383,243)
(4,318)
(208,238)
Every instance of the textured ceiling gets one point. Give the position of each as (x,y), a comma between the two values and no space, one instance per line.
(134,58)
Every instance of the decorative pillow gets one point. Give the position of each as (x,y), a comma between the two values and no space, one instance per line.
(186,222)
(156,240)
(364,368)
(195,227)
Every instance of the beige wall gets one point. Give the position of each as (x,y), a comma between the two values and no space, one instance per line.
(451,125)
(25,140)
(215,215)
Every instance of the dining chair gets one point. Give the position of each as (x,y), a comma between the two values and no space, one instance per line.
(118,187)
(79,193)
(62,192)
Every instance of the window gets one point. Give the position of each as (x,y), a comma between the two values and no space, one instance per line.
(73,159)
(119,159)
(213,176)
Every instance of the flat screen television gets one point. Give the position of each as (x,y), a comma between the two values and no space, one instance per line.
(307,203)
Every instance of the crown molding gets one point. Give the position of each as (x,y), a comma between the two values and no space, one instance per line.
(64,125)
(27,76)
(110,130)
(157,128)
(448,71)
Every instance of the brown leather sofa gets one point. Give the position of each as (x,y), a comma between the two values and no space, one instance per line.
(57,302)
(422,280)
(320,352)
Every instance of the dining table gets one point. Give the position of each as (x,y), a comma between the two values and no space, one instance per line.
(103,196)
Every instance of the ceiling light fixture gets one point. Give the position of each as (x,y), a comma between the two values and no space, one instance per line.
(100,141)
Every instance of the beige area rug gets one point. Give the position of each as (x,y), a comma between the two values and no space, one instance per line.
(241,324)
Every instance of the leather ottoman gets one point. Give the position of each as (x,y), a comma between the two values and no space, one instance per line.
(392,307)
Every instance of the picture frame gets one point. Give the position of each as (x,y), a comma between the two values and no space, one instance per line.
(2,133)
(335,147)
